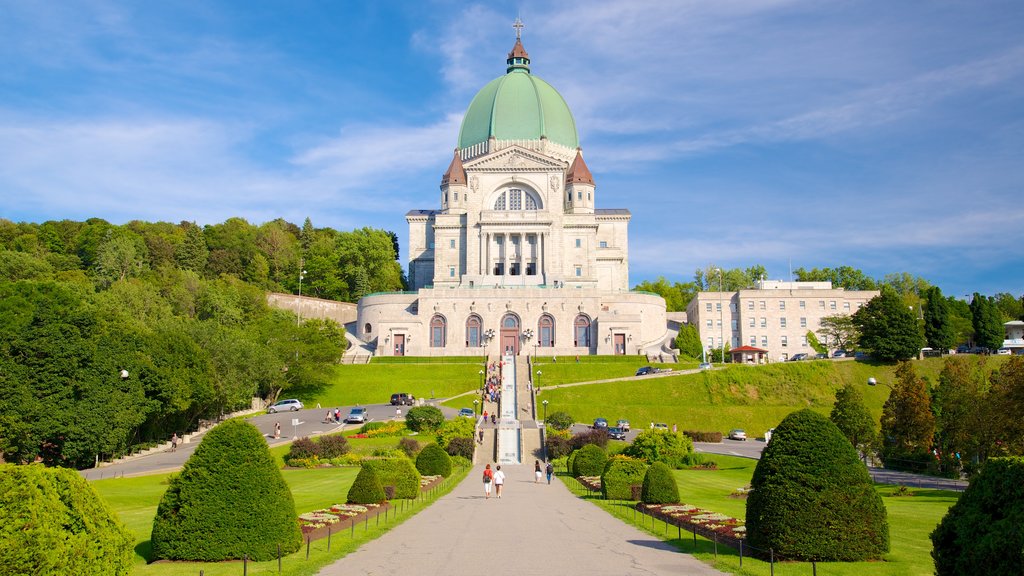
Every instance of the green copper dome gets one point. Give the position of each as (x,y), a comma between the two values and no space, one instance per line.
(518,106)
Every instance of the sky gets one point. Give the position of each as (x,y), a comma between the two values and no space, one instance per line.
(886,136)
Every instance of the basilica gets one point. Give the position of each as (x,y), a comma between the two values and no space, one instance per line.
(517,258)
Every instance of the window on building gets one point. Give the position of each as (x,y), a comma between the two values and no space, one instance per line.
(764,322)
(803,305)
(753,321)
(750,305)
(764,341)
(711,342)
(451,271)
(785,341)
(832,305)
(437,331)
(473,331)
(803,322)
(546,331)
(753,340)
(803,341)
(579,242)
(718,322)
(451,243)
(821,304)
(581,330)
(735,324)
(708,307)
(710,323)
(579,195)
(603,244)
(515,199)
(764,305)
(579,271)
(718,306)
(367,329)
(782,304)
(846,306)
(782,322)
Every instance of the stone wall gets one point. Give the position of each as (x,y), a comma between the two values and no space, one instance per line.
(308,307)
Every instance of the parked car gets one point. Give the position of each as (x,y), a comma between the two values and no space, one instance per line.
(705,366)
(1003,352)
(402,398)
(821,356)
(645,370)
(737,434)
(616,433)
(291,404)
(840,354)
(798,357)
(661,426)
(356,415)
(467,413)
(624,424)
(600,424)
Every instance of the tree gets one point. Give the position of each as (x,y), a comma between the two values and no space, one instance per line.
(659,485)
(366,488)
(1010,307)
(120,256)
(589,461)
(853,419)
(841,277)
(434,461)
(192,253)
(676,295)
(560,420)
(229,482)
(812,498)
(888,328)
(962,414)
(987,322)
(688,342)
(908,424)
(938,331)
(620,474)
(1007,406)
(672,448)
(839,332)
(424,418)
(53,522)
(981,533)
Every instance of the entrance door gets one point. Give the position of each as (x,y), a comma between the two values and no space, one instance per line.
(399,344)
(620,344)
(509,335)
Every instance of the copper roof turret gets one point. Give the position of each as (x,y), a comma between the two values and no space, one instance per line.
(579,173)
(455,174)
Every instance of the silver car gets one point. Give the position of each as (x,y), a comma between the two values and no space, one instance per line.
(356,416)
(291,404)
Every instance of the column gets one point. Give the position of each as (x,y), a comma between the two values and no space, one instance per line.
(522,256)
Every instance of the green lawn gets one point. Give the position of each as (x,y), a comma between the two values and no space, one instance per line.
(911,520)
(375,383)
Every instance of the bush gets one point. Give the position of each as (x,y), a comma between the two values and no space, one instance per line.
(424,418)
(333,446)
(457,428)
(812,498)
(981,533)
(366,489)
(598,438)
(659,485)
(570,462)
(461,446)
(560,421)
(621,473)
(557,446)
(589,461)
(409,446)
(382,429)
(52,522)
(433,461)
(672,448)
(230,487)
(697,436)
(302,449)
(398,472)
(460,462)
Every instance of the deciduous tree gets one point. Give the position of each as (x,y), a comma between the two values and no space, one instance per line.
(888,328)
(908,424)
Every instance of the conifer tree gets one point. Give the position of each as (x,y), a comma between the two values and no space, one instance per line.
(908,425)
(852,418)
(987,322)
(938,331)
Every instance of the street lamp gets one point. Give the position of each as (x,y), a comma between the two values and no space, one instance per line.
(475,402)
(302,274)
(481,379)
(721,315)
(545,403)
(538,380)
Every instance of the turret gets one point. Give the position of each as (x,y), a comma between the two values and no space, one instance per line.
(579,187)
(454,186)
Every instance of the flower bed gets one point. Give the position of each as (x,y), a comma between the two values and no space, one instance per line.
(591,482)
(708,524)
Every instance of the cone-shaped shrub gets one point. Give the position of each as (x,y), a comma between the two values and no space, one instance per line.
(366,489)
(570,461)
(52,522)
(621,473)
(659,485)
(399,472)
(589,461)
(812,498)
(434,461)
(982,533)
(230,499)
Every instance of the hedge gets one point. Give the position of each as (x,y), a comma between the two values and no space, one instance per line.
(659,485)
(434,461)
(366,488)
(698,436)
(424,418)
(52,522)
(621,473)
(672,448)
(462,446)
(812,498)
(589,461)
(398,472)
(228,501)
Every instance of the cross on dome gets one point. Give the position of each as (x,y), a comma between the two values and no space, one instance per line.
(518,25)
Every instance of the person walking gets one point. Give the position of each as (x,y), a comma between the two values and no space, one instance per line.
(174,442)
(536,471)
(550,470)
(277,430)
(488,480)
(499,480)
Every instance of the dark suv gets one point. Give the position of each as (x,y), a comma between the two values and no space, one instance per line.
(402,399)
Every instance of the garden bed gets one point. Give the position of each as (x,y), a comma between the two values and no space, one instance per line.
(710,525)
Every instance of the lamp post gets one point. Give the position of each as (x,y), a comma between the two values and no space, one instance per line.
(302,274)
(545,404)
(481,379)
(721,314)
(537,384)
(475,402)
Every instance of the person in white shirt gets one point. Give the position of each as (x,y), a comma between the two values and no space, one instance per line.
(499,481)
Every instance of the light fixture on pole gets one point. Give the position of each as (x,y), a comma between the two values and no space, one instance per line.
(475,402)
(545,404)
(481,379)
(537,383)
(302,274)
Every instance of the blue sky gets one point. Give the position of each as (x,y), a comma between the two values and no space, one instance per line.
(887,136)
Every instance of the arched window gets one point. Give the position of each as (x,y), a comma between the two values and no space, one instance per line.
(437,331)
(510,322)
(473,330)
(582,331)
(367,329)
(516,199)
(546,331)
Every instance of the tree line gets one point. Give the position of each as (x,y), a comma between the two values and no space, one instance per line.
(112,337)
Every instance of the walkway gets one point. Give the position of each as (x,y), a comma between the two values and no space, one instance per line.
(535,529)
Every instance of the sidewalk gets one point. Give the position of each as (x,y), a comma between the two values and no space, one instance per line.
(535,529)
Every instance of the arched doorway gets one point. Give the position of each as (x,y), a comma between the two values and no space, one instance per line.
(510,335)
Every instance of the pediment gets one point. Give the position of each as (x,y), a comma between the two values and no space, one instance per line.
(515,159)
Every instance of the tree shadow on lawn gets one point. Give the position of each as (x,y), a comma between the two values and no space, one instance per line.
(144,550)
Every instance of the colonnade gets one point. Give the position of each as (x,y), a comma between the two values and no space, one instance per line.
(505,253)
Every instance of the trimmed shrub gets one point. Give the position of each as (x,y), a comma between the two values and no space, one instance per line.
(698,436)
(589,461)
(659,485)
(598,438)
(812,498)
(672,448)
(457,428)
(52,522)
(461,446)
(460,462)
(570,462)
(409,446)
(302,449)
(424,418)
(231,488)
(982,533)
(557,446)
(433,460)
(366,489)
(398,472)
(332,446)
(621,473)
(560,420)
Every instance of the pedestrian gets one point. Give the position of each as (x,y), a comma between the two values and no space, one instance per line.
(337,414)
(485,415)
(577,358)
(481,435)
(174,442)
(499,481)
(494,420)
(277,430)
(674,429)
(488,477)
(330,417)
(536,471)
(550,470)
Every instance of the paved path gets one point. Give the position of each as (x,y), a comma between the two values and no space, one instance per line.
(535,529)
